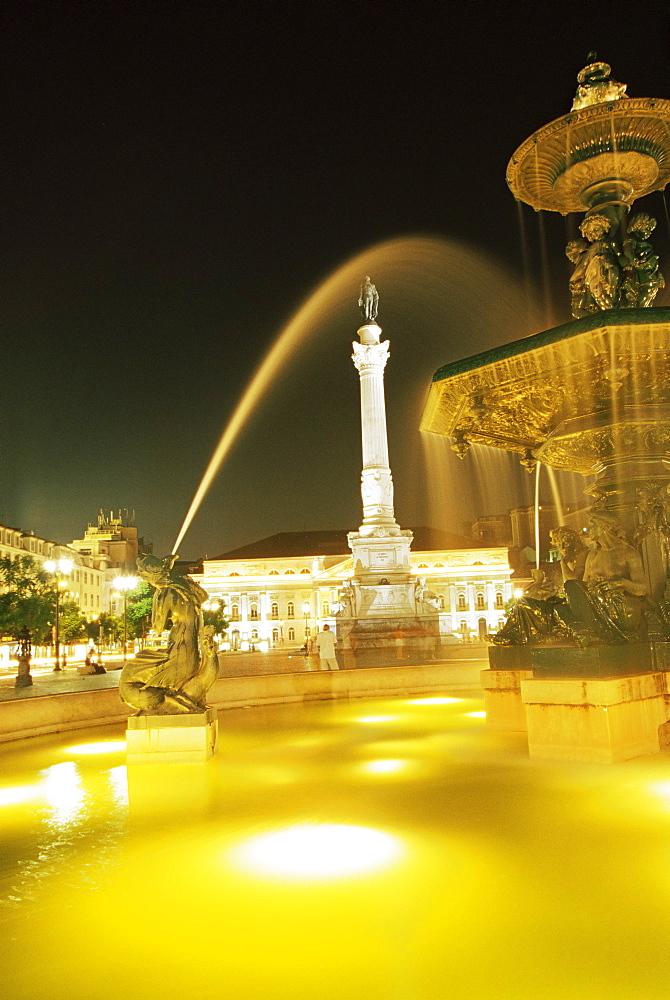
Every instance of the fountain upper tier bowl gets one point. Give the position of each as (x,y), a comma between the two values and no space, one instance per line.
(579,397)
(614,151)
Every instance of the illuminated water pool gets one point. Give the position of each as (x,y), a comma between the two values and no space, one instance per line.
(377,850)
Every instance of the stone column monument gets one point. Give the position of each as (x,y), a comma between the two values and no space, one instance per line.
(382,596)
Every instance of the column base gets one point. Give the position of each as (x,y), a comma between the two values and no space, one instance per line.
(171,739)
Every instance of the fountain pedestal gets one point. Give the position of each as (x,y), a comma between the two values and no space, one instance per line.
(602,720)
(172,739)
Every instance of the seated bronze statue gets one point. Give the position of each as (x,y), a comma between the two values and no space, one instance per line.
(176,679)
(605,592)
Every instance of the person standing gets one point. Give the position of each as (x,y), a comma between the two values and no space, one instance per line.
(325,643)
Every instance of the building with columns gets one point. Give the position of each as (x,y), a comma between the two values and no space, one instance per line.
(282,589)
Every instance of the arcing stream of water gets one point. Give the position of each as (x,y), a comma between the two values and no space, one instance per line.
(441,291)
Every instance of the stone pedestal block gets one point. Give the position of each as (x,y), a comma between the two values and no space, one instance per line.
(602,720)
(502,698)
(171,739)
(510,657)
(593,661)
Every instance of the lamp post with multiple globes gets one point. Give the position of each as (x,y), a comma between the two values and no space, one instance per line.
(60,568)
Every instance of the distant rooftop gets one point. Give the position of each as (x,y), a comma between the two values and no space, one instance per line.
(289,544)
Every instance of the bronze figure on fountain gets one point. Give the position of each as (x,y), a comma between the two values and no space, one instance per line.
(174,680)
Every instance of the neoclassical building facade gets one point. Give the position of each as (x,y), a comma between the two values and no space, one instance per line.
(284,588)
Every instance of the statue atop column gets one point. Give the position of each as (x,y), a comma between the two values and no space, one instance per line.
(368,301)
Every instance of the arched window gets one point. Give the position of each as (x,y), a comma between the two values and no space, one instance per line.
(304,571)
(291,634)
(234,574)
(461,605)
(254,633)
(273,572)
(482,628)
(235,639)
(439,565)
(289,572)
(235,613)
(308,633)
(253,612)
(480,602)
(499,600)
(441,602)
(501,622)
(422,566)
(290,610)
(274,611)
(275,635)
(326,608)
(463,626)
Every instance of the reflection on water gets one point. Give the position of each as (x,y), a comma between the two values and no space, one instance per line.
(64,793)
(419,855)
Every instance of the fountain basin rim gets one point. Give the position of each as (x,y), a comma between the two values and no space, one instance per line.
(600,320)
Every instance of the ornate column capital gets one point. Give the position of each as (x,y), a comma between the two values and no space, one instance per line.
(370,357)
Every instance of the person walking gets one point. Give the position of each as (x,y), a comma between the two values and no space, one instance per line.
(325,643)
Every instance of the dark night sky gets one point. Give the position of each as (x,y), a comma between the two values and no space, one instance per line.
(178,178)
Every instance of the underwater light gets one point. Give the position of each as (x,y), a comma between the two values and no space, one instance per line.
(661,788)
(63,792)
(19,793)
(318,851)
(384,766)
(375,718)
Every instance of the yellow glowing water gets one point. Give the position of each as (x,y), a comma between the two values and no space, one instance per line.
(431,286)
(324,854)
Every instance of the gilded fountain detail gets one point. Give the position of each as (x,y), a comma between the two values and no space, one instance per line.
(591,396)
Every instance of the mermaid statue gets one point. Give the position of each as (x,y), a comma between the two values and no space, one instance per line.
(173,680)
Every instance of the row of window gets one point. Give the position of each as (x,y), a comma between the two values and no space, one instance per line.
(275,572)
(463,628)
(235,635)
(274,611)
(461,605)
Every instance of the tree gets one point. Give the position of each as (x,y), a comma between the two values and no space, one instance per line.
(140,602)
(72,622)
(216,618)
(111,626)
(27,600)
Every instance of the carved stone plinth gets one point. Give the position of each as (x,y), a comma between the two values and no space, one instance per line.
(379,643)
(23,676)
(600,720)
(171,739)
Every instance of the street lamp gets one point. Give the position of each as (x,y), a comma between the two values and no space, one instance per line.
(60,568)
(305,610)
(124,584)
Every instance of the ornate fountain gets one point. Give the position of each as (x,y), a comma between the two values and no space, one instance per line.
(591,396)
